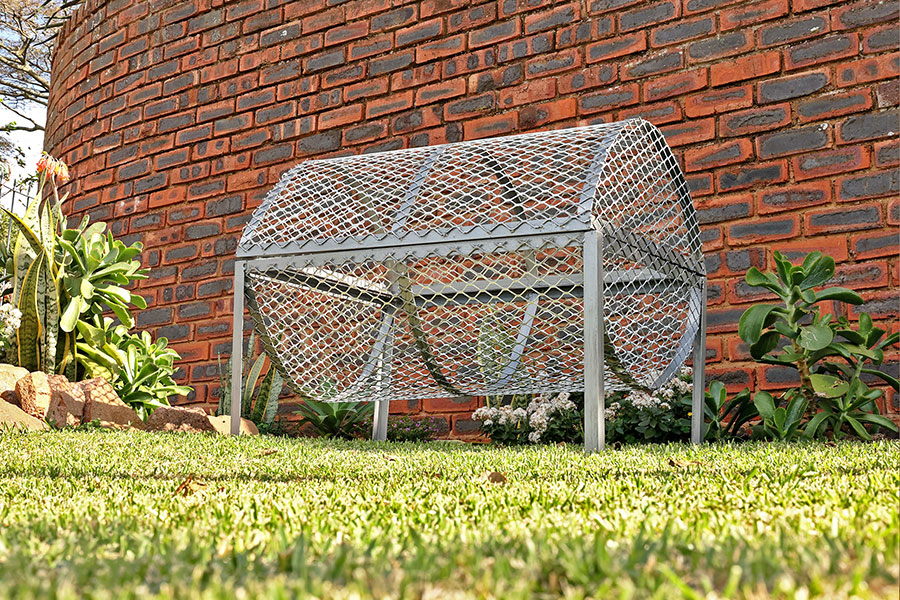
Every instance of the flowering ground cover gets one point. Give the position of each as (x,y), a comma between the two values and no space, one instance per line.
(126,514)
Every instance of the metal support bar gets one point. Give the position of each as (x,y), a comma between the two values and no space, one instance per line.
(699,390)
(237,348)
(594,396)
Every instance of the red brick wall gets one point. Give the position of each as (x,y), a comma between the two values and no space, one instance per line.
(176,117)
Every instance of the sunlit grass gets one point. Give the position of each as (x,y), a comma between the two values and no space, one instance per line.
(115,515)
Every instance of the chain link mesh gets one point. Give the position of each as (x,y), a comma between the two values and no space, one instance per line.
(458,269)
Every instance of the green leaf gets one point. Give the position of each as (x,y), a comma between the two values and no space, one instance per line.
(815,424)
(878,420)
(815,337)
(765,404)
(70,316)
(785,330)
(818,271)
(753,321)
(828,386)
(756,278)
(779,418)
(765,344)
(858,428)
(840,294)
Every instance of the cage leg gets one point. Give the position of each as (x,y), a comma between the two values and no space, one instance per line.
(380,421)
(594,396)
(699,386)
(237,348)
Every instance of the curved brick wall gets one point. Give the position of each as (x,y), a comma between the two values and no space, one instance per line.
(177,116)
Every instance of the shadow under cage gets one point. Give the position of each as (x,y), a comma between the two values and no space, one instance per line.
(565,260)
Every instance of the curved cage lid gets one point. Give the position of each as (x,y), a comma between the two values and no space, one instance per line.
(621,176)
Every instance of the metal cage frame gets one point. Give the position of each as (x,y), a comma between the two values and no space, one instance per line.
(601,216)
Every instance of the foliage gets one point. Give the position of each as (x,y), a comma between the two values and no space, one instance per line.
(97,266)
(27,34)
(259,401)
(641,417)
(139,369)
(344,420)
(10,319)
(408,429)
(64,280)
(545,419)
(830,356)
(780,423)
(726,418)
(854,408)
(305,518)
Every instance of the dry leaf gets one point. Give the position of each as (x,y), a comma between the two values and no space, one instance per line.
(390,458)
(268,452)
(494,476)
(188,486)
(674,462)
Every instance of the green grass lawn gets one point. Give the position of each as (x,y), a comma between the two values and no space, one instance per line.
(115,515)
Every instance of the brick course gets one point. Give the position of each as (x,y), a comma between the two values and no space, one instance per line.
(177,116)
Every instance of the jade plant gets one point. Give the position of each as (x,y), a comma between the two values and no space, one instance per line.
(831,356)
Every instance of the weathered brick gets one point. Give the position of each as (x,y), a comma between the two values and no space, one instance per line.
(745,67)
(852,218)
(798,139)
(718,101)
(830,162)
(786,88)
(697,159)
(720,46)
(792,31)
(751,14)
(653,14)
(872,185)
(675,85)
(681,31)
(605,100)
(419,32)
(562,15)
(763,230)
(494,34)
(754,120)
(821,50)
(760,173)
(792,197)
(619,46)
(394,18)
(865,13)
(653,65)
(869,126)
(553,63)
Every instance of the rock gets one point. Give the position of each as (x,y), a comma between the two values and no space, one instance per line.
(34,394)
(66,403)
(102,403)
(176,418)
(223,425)
(13,417)
(9,375)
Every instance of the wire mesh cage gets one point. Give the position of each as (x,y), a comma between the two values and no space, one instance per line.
(565,260)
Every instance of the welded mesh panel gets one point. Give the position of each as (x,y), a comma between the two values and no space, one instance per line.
(495,319)
(431,272)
